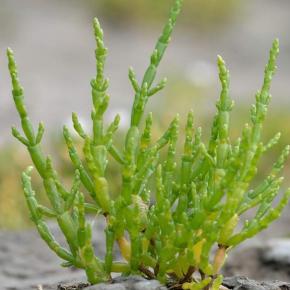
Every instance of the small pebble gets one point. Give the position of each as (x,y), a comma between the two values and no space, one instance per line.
(104,286)
(276,251)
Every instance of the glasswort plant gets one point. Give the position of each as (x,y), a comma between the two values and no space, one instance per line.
(198,199)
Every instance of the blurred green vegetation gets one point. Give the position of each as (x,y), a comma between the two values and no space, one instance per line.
(13,211)
(197,13)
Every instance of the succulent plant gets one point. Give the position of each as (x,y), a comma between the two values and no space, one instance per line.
(188,225)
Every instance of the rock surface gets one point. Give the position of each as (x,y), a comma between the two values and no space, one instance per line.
(276,251)
(139,283)
(261,261)
(129,283)
(119,283)
(243,283)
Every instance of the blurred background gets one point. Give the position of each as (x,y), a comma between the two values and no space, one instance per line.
(54,47)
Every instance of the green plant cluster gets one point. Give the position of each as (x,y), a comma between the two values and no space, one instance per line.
(198,198)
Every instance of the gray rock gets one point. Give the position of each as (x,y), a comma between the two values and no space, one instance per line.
(128,280)
(276,251)
(104,286)
(149,285)
(244,283)
(129,283)
(250,261)
(72,286)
